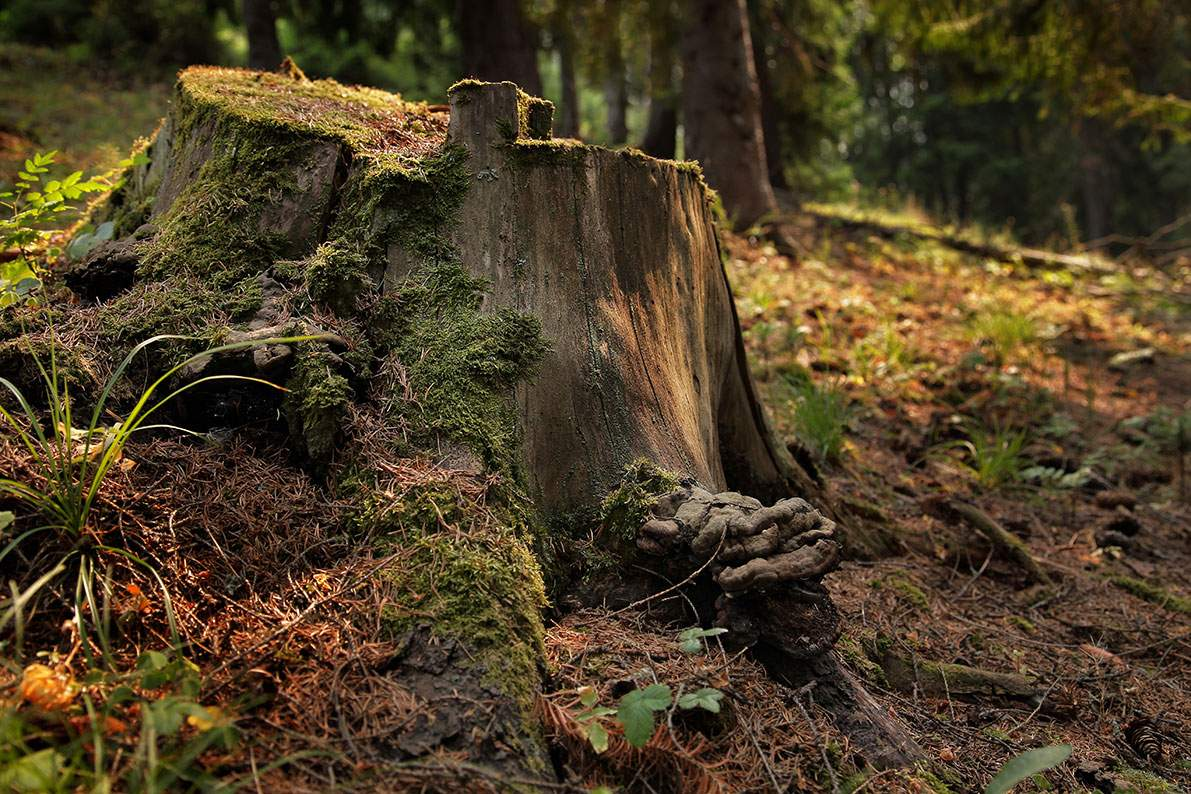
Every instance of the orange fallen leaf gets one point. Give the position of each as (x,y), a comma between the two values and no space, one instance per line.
(214,717)
(1101,655)
(47,688)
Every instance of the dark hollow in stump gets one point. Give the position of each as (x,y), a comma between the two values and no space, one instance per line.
(484,243)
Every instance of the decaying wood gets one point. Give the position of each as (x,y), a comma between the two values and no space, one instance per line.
(1033,257)
(943,680)
(617,255)
(1002,539)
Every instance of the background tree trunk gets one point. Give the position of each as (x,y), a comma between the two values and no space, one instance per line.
(498,42)
(721,108)
(260,23)
(774,160)
(661,129)
(564,39)
(616,88)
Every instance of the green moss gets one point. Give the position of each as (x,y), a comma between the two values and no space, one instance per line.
(317,402)
(466,84)
(527,152)
(1024,624)
(264,127)
(466,570)
(906,590)
(394,199)
(212,230)
(933,783)
(853,653)
(535,116)
(461,363)
(361,118)
(1138,781)
(178,305)
(337,274)
(1153,593)
(627,506)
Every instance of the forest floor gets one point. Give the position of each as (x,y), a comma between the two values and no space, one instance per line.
(912,378)
(915,373)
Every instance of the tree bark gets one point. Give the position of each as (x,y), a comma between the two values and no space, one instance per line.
(616,88)
(260,23)
(721,108)
(498,43)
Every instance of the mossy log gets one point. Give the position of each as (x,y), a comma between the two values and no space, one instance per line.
(529,311)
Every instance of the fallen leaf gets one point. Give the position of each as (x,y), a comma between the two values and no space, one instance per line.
(1101,655)
(47,688)
(214,717)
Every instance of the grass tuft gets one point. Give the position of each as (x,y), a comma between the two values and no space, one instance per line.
(821,416)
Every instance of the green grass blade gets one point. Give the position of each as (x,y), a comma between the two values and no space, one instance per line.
(165,593)
(1027,765)
(19,601)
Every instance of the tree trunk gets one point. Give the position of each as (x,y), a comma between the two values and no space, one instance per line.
(721,108)
(616,99)
(774,160)
(616,94)
(661,128)
(661,131)
(498,42)
(565,41)
(260,23)
(526,311)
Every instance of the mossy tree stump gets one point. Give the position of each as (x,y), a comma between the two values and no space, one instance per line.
(528,311)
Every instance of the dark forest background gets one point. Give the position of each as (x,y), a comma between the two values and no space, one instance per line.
(1059,121)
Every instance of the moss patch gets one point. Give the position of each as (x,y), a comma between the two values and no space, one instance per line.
(364,119)
(317,402)
(337,274)
(466,569)
(461,363)
(908,591)
(852,651)
(411,202)
(265,130)
(1153,593)
(627,506)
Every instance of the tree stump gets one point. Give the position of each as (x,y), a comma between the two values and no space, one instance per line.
(524,310)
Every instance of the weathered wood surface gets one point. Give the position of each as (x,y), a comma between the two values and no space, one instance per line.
(616,254)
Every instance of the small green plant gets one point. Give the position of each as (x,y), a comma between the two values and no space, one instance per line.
(70,466)
(692,640)
(1005,332)
(139,730)
(35,208)
(994,456)
(820,417)
(635,711)
(1026,765)
(881,354)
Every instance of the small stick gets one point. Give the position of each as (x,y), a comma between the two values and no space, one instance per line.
(672,588)
(982,522)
